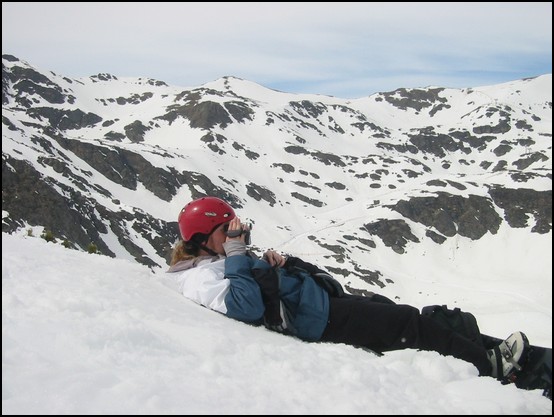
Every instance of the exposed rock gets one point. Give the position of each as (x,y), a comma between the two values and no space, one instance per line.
(394,233)
(260,193)
(471,216)
(415,98)
(308,200)
(135,131)
(521,205)
(65,119)
(204,115)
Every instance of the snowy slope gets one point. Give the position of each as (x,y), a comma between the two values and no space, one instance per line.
(87,334)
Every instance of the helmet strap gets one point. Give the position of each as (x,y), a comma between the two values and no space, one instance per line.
(198,242)
(206,249)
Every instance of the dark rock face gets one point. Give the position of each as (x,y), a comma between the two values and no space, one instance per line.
(27,82)
(417,99)
(259,193)
(394,233)
(207,114)
(449,214)
(521,206)
(135,131)
(72,218)
(64,119)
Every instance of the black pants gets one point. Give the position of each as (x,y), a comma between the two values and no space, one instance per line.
(381,325)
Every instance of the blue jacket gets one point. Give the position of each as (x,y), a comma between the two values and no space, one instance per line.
(227,285)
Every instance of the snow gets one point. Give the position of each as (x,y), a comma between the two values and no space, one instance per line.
(87,334)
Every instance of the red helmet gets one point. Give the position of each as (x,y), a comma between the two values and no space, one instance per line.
(203,216)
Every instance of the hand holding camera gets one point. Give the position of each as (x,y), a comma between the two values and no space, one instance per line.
(237,229)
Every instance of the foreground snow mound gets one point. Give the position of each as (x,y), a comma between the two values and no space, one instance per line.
(87,334)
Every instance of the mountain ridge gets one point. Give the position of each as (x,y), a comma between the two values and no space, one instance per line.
(113,160)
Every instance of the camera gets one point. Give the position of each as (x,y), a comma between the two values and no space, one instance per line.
(243,231)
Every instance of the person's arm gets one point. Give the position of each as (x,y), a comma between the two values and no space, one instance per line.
(237,297)
(244,299)
(204,284)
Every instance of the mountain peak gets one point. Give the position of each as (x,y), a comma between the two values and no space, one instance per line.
(112,160)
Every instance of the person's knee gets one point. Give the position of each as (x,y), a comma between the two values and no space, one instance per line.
(404,332)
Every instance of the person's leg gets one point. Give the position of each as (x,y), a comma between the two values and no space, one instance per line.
(384,327)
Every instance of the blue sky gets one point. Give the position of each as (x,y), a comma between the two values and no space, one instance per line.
(347,50)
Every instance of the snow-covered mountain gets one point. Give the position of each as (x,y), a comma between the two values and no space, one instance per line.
(452,174)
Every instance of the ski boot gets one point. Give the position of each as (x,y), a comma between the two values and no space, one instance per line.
(509,357)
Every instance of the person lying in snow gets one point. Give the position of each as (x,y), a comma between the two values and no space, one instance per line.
(213,268)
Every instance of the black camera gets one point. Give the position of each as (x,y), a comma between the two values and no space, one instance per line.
(242,231)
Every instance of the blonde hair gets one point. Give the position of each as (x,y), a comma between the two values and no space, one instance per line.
(183,251)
